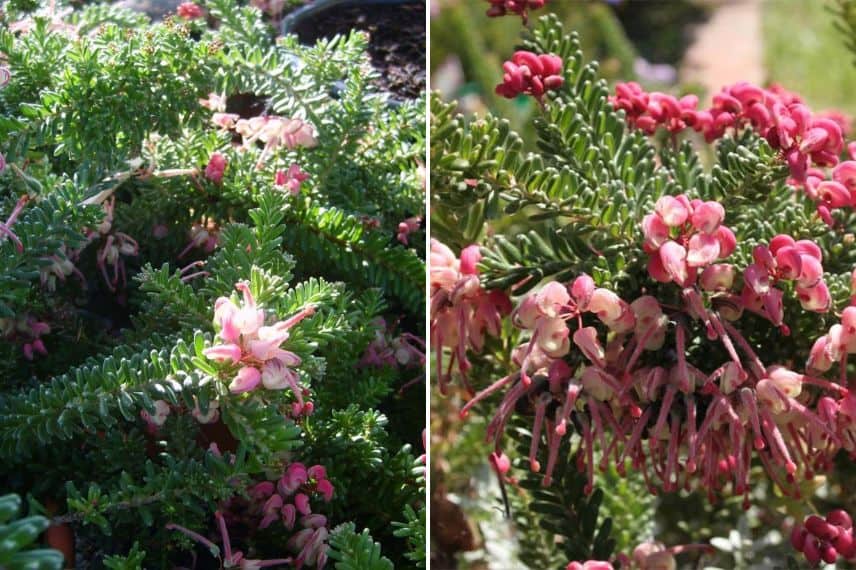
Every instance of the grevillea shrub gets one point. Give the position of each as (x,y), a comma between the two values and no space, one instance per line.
(211,294)
(654,302)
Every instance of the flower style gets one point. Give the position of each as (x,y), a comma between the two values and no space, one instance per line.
(291,179)
(530,74)
(462,312)
(254,348)
(6,227)
(231,559)
(679,426)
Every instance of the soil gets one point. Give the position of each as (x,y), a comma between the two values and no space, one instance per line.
(396,41)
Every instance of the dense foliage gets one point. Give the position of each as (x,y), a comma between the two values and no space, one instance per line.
(211,291)
(655,302)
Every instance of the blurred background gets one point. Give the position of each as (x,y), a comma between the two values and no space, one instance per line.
(678,46)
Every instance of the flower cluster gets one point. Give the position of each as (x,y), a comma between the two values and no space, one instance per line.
(530,74)
(683,236)
(518,7)
(28,331)
(270,130)
(386,349)
(246,342)
(115,246)
(825,539)
(784,259)
(803,139)
(289,498)
(462,311)
(676,424)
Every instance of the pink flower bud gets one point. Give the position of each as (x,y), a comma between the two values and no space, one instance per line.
(215,168)
(703,249)
(470,257)
(552,335)
(717,277)
(789,262)
(815,298)
(674,259)
(189,11)
(552,298)
(787,381)
(584,287)
(655,230)
(224,353)
(707,216)
(818,359)
(840,518)
(325,488)
(301,501)
(247,379)
(672,210)
(586,339)
(500,462)
(727,241)
(289,515)
(606,305)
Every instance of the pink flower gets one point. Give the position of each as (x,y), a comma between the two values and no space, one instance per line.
(325,487)
(291,179)
(406,227)
(224,353)
(672,211)
(518,7)
(301,501)
(189,11)
(247,379)
(294,477)
(216,167)
(158,418)
(530,74)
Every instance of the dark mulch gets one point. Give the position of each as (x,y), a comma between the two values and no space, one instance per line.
(396,40)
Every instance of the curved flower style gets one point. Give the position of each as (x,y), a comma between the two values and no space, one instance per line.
(679,426)
(231,558)
(530,74)
(462,312)
(246,342)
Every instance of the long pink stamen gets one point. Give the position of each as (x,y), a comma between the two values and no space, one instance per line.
(540,408)
(224,532)
(487,392)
